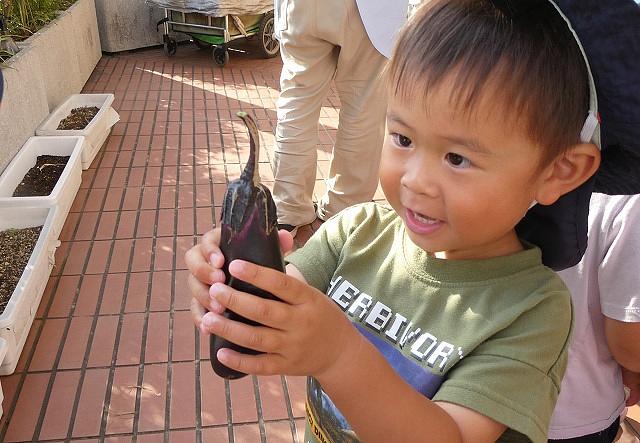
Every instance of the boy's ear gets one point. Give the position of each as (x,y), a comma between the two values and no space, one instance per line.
(568,171)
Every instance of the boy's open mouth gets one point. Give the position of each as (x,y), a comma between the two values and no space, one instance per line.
(420,223)
(423,218)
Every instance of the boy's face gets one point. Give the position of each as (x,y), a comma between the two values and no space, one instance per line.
(460,182)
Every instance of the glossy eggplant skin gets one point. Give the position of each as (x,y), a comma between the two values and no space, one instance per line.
(249,232)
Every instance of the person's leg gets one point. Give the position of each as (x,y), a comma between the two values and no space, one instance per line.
(309,64)
(353,175)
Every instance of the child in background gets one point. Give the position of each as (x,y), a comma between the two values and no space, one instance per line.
(440,324)
(605,344)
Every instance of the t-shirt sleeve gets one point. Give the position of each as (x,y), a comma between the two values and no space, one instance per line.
(514,377)
(319,257)
(619,284)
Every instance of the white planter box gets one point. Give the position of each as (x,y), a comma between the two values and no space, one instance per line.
(95,133)
(3,352)
(68,184)
(19,313)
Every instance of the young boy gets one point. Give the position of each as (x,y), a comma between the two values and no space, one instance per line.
(440,323)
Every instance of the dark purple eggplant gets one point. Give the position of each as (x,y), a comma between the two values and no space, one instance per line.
(249,232)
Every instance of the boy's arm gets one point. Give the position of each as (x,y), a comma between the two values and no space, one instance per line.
(367,379)
(382,407)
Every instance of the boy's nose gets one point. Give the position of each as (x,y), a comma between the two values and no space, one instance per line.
(418,180)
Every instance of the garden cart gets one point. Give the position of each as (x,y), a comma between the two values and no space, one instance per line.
(214,24)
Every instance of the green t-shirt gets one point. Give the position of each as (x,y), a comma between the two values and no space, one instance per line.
(490,335)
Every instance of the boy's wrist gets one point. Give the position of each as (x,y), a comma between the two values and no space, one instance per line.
(349,358)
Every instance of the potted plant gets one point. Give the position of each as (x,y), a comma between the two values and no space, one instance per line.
(45,172)
(87,115)
(26,235)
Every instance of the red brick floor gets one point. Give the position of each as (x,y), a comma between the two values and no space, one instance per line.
(113,354)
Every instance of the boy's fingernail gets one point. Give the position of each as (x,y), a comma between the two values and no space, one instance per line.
(215,306)
(213,257)
(208,321)
(215,289)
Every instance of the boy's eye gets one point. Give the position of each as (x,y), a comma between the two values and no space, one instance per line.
(401,140)
(458,161)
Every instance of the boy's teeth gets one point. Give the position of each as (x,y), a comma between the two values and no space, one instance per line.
(423,219)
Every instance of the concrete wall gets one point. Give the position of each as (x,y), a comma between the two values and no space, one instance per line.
(53,63)
(128,24)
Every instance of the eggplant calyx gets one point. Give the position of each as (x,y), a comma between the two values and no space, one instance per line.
(250,172)
(247,193)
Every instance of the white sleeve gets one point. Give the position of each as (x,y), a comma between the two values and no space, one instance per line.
(619,271)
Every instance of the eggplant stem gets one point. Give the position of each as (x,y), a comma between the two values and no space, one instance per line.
(251,172)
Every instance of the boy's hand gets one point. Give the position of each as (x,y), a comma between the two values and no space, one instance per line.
(303,334)
(204,262)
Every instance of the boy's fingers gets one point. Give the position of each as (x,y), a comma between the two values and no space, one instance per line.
(263,364)
(258,338)
(266,312)
(210,245)
(286,241)
(200,268)
(286,288)
(197,312)
(200,292)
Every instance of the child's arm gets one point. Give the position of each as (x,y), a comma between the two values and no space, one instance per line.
(379,405)
(623,339)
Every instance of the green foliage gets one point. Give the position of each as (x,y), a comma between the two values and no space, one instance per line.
(25,17)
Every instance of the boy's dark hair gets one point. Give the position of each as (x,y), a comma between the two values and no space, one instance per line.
(524,46)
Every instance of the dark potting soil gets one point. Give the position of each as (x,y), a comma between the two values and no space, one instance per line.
(42,178)
(79,118)
(16,246)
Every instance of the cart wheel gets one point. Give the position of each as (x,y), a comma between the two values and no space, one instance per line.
(220,56)
(269,46)
(201,44)
(170,46)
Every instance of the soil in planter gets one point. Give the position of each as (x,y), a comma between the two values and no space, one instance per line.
(78,119)
(42,178)
(16,246)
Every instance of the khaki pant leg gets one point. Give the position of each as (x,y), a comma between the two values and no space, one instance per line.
(353,176)
(309,65)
